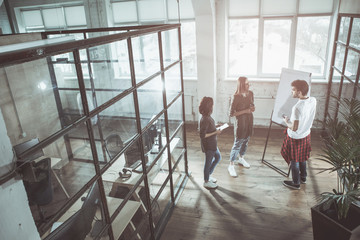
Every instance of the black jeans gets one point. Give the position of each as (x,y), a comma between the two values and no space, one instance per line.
(298,170)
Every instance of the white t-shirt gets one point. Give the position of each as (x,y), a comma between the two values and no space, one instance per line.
(303,111)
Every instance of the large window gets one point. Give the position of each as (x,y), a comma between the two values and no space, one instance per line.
(243,39)
(130,12)
(310,53)
(267,35)
(345,71)
(52,18)
(276,45)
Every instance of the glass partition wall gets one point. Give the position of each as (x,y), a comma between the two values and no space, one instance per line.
(107,112)
(345,63)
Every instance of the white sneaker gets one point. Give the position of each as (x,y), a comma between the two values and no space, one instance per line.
(210,185)
(232,171)
(212,179)
(243,162)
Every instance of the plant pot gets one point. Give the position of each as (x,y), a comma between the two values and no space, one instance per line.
(328,227)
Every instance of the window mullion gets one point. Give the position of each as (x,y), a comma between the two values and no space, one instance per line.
(260,46)
(64,16)
(292,42)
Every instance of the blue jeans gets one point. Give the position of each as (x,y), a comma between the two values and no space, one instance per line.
(298,170)
(212,158)
(239,147)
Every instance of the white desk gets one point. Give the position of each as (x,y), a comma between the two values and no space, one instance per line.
(112,174)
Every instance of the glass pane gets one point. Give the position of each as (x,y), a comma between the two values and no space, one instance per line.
(53,18)
(157,10)
(77,36)
(159,205)
(178,146)
(185,6)
(175,116)
(124,11)
(64,176)
(355,33)
(347,89)
(71,104)
(337,75)
(119,52)
(118,182)
(47,179)
(276,45)
(158,174)
(243,47)
(154,140)
(104,61)
(179,174)
(159,141)
(130,159)
(30,99)
(146,56)
(120,117)
(172,83)
(310,52)
(150,99)
(131,214)
(83,218)
(188,44)
(352,63)
(339,57)
(32,18)
(346,92)
(344,29)
(65,70)
(170,46)
(243,8)
(279,7)
(75,16)
(319,6)
(117,126)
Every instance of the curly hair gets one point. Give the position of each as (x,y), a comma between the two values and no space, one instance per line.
(206,106)
(301,85)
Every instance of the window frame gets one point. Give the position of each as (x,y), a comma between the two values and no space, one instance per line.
(43,27)
(167,20)
(260,74)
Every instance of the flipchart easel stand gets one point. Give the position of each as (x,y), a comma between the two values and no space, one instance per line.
(268,163)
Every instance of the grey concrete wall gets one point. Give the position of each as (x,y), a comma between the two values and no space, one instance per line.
(29,111)
(16,221)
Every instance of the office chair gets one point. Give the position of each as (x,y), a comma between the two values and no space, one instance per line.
(113,144)
(40,192)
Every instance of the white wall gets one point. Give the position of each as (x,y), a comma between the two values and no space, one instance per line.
(16,221)
(206,45)
(350,6)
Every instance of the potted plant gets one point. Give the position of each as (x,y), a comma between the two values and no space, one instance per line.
(338,213)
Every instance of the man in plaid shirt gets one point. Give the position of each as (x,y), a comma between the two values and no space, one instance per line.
(296,146)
